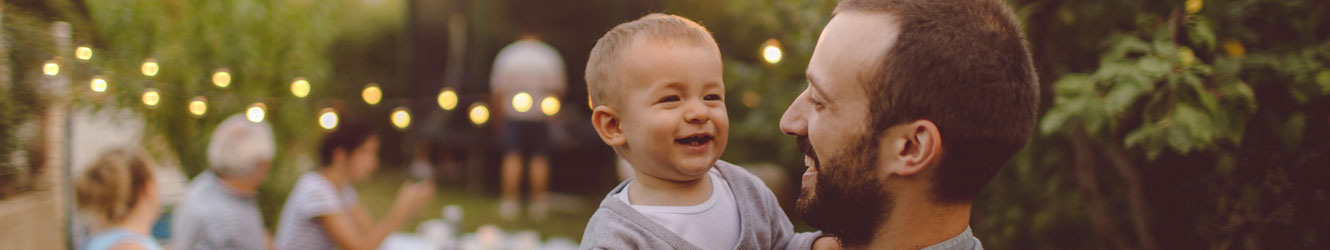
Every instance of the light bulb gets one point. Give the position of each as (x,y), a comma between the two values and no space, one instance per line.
(448,99)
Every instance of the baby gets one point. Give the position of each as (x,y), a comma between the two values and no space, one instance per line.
(659,101)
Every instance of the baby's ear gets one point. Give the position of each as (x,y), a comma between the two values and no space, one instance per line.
(608,126)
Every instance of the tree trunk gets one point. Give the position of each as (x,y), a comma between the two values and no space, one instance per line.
(1083,168)
(1136,201)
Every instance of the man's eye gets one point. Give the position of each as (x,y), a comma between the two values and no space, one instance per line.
(673,98)
(712,97)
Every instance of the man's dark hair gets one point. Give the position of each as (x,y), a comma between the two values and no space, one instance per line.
(964,65)
(349,134)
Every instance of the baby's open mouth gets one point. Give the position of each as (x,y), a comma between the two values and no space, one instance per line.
(694,140)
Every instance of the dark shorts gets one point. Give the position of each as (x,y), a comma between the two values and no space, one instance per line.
(526,137)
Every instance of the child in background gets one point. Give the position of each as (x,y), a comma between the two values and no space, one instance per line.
(119,198)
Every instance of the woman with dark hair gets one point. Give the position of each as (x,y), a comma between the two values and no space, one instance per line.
(323,211)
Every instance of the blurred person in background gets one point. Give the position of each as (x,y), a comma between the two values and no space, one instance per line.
(525,73)
(119,199)
(324,212)
(219,210)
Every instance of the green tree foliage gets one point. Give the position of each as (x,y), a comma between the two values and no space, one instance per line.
(264,45)
(1157,127)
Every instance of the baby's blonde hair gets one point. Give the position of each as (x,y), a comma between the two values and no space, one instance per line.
(111,186)
(603,81)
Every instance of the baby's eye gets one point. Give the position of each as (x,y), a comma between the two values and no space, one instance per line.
(673,98)
(712,97)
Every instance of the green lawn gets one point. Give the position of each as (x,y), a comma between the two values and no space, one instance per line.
(478,208)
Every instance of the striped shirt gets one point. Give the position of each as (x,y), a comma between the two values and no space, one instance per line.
(215,216)
(313,196)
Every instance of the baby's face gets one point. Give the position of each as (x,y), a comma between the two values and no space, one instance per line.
(673,107)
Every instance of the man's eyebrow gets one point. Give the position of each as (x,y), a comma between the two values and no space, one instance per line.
(813,82)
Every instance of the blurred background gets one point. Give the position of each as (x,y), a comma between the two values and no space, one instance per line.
(1189,124)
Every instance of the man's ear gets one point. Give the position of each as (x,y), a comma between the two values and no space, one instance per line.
(608,126)
(915,146)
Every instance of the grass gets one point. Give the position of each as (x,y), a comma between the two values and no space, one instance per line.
(478,209)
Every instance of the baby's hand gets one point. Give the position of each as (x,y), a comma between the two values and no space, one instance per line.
(826,243)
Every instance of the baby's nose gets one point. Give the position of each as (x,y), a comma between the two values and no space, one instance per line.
(696,113)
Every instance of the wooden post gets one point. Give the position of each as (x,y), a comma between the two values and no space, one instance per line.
(5,76)
(56,131)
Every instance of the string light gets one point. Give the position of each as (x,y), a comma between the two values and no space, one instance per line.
(771,51)
(198,106)
(83,53)
(479,113)
(149,67)
(401,118)
(522,102)
(51,68)
(151,97)
(372,94)
(448,99)
(300,87)
(221,78)
(550,106)
(328,119)
(98,84)
(256,112)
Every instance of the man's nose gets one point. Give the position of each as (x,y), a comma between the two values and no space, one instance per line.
(793,121)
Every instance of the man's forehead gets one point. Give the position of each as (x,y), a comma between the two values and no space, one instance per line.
(852,43)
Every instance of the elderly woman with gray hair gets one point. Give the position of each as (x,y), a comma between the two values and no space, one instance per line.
(219,210)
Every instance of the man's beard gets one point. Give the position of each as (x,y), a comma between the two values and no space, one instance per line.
(849,201)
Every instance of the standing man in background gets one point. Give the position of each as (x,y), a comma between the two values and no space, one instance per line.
(524,74)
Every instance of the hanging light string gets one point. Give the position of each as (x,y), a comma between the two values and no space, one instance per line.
(221,80)
(152,93)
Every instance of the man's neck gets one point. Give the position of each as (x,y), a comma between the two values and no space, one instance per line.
(240,187)
(649,190)
(917,224)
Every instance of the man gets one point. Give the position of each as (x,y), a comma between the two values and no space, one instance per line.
(912,107)
(525,73)
(219,210)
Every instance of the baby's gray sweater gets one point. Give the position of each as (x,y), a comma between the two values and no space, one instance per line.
(762,223)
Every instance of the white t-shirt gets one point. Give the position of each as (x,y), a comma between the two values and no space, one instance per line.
(313,196)
(700,224)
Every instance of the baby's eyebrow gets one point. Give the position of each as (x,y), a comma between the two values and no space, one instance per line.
(714,84)
(675,85)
